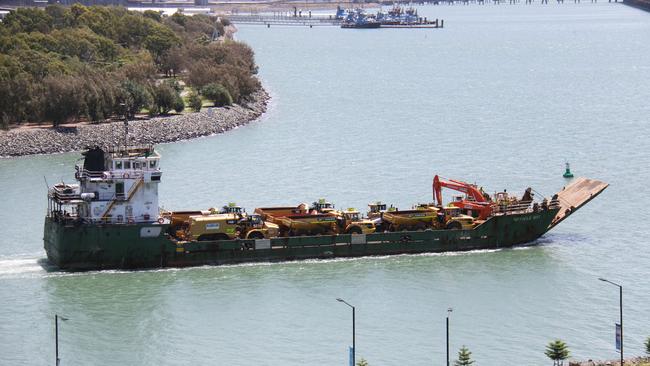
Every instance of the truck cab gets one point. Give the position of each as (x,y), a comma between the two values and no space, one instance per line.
(352,223)
(455,220)
(322,206)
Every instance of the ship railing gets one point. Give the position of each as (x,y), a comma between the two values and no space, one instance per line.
(523,207)
(142,148)
(511,208)
(85,173)
(127,174)
(61,196)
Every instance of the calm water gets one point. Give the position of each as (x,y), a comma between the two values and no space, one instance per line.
(501,96)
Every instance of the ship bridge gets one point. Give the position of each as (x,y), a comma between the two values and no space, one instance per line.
(115,186)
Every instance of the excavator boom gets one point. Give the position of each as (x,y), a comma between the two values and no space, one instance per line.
(477,203)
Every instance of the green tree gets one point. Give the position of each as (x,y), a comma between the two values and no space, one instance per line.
(159,40)
(166,99)
(194,101)
(152,14)
(217,94)
(464,357)
(362,362)
(557,351)
(133,97)
(647,346)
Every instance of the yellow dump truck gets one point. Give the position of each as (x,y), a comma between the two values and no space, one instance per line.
(351,223)
(406,220)
(224,227)
(317,224)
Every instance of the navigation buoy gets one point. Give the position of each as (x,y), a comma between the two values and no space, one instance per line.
(567,172)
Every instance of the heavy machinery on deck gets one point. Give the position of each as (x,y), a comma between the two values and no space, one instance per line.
(476,203)
(110,219)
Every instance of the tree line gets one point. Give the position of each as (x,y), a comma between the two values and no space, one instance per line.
(61,64)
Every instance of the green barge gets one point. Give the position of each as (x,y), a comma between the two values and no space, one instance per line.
(111,220)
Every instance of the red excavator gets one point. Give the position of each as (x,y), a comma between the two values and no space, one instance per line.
(475,203)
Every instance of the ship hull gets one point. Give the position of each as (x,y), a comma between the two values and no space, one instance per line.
(136,246)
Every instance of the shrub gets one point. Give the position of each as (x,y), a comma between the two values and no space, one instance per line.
(217,94)
(179,104)
(647,346)
(194,101)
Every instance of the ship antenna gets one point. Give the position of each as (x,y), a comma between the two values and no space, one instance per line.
(126,130)
(47,185)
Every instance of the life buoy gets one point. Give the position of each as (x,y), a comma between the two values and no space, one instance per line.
(126,176)
(161,220)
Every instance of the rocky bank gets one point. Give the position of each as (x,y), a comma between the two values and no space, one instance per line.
(209,121)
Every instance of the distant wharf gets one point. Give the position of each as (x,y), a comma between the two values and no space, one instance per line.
(281,18)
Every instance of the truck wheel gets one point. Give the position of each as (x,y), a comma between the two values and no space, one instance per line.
(454,225)
(355,230)
(256,235)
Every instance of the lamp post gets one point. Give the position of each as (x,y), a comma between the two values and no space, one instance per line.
(56,335)
(354,346)
(449,310)
(620,298)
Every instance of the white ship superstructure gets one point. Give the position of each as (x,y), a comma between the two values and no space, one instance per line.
(115,186)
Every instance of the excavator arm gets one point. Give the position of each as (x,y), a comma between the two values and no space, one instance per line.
(455,185)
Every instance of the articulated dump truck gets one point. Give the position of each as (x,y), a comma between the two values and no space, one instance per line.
(227,224)
(319,219)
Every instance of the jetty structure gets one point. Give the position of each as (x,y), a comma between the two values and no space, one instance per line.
(397,17)
(110,219)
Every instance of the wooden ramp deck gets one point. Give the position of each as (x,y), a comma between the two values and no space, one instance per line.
(576,195)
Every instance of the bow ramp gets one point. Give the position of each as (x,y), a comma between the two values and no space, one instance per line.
(576,195)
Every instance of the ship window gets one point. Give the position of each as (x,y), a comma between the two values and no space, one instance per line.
(119,189)
(127,165)
(136,165)
(118,165)
(152,164)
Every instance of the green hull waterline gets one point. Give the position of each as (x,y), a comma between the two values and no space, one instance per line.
(136,246)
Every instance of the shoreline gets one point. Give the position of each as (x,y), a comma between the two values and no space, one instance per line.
(209,121)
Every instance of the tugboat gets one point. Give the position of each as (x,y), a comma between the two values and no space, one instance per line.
(360,20)
(110,219)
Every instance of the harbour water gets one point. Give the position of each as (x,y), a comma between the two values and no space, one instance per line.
(502,96)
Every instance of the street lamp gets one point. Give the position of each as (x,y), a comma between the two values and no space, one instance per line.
(56,335)
(354,347)
(449,310)
(620,294)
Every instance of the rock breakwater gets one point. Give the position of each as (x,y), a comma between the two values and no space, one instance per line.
(209,121)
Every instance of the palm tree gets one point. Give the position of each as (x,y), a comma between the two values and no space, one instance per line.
(464,357)
(557,351)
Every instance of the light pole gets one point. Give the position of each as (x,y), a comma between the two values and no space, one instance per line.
(56,335)
(620,298)
(354,346)
(449,310)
